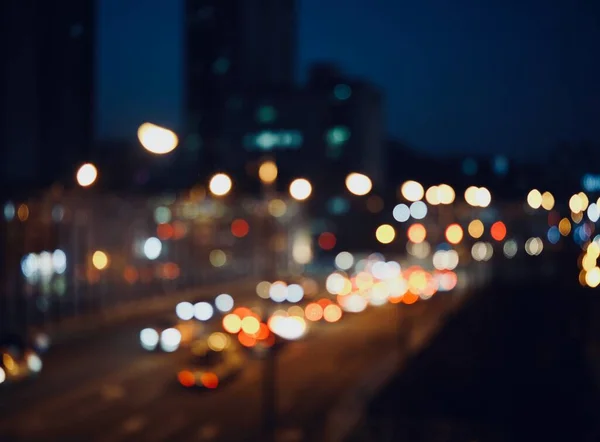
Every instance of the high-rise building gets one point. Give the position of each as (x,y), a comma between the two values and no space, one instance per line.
(331,126)
(231,46)
(47,105)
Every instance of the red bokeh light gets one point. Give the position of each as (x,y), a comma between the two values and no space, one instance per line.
(327,240)
(239,228)
(498,231)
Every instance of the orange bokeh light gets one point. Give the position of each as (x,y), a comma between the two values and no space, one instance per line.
(417,233)
(186,378)
(498,231)
(164,231)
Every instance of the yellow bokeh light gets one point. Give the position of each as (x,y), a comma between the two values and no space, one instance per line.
(412,191)
(432,195)
(358,184)
(277,208)
(267,172)
(300,189)
(385,234)
(588,262)
(575,204)
(217,258)
(593,250)
(220,184)
(87,175)
(592,278)
(417,233)
(157,140)
(454,234)
(547,201)
(564,226)
(250,325)
(471,195)
(446,194)
(476,229)
(534,199)
(100,260)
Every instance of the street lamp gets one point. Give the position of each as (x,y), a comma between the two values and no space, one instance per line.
(220,184)
(358,184)
(300,189)
(285,328)
(267,172)
(156,139)
(86,175)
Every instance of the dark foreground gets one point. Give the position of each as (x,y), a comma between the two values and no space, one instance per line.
(512,365)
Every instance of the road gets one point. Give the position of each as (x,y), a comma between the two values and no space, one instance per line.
(108,389)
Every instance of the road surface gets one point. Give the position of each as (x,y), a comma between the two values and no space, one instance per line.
(108,389)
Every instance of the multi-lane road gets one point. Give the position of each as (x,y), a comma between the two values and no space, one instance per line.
(106,388)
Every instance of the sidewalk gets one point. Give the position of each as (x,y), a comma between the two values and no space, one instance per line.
(82,325)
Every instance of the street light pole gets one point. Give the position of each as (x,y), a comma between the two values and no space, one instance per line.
(269,426)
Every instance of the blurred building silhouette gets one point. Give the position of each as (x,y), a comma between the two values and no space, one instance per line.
(323,130)
(47,89)
(231,46)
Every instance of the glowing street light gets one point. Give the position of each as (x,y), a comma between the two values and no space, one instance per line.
(300,189)
(156,139)
(267,172)
(220,184)
(86,175)
(358,184)
(412,191)
(100,260)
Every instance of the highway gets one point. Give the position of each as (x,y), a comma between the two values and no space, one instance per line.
(106,388)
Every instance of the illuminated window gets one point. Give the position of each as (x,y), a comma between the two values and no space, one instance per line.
(469,166)
(337,136)
(266,114)
(342,92)
(269,140)
(221,65)
(500,165)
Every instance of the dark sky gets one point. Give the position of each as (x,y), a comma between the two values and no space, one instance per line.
(499,76)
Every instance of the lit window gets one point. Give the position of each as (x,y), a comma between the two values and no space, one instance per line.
(342,91)
(269,140)
(338,206)
(469,167)
(500,165)
(337,135)
(221,66)
(266,114)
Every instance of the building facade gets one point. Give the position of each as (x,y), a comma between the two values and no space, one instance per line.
(231,46)
(47,85)
(324,130)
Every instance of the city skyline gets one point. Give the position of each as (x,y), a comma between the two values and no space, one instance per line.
(458,80)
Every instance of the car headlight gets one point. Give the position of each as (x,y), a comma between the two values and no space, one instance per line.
(34,363)
(149,339)
(170,339)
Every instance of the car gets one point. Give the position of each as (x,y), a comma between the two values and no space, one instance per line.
(18,361)
(213,362)
(170,334)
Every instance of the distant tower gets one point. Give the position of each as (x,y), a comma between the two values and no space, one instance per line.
(47,88)
(232,46)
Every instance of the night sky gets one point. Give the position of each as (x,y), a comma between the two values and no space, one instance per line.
(500,76)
